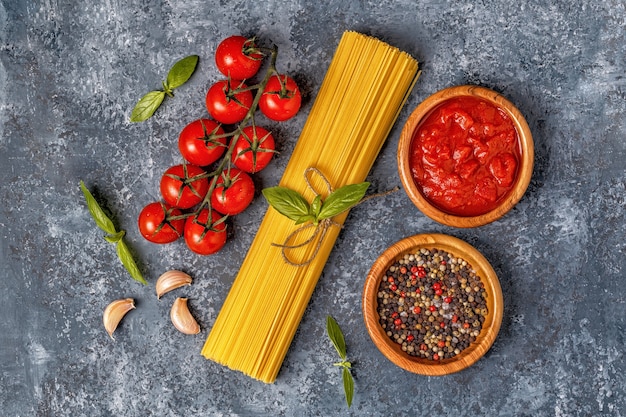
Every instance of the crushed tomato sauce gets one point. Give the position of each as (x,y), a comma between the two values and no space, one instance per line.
(465,156)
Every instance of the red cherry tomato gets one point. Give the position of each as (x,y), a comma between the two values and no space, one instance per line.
(180,187)
(281,98)
(156,226)
(233,192)
(253,149)
(237,57)
(226,103)
(205,237)
(197,145)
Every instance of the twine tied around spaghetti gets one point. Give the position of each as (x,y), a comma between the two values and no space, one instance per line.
(318,214)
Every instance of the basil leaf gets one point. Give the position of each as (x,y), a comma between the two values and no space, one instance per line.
(307,218)
(336,336)
(116,237)
(348,385)
(287,202)
(182,71)
(343,199)
(147,105)
(102,220)
(316,205)
(104,223)
(129,263)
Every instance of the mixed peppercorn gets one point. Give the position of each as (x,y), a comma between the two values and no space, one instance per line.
(432,304)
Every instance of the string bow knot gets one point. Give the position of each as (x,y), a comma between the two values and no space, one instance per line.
(320,229)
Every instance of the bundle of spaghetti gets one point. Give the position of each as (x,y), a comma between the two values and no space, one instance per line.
(364,89)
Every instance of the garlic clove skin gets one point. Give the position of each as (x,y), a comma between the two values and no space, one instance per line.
(182,319)
(114,313)
(171,280)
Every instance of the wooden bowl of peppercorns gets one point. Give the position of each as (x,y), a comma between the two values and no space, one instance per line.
(432,304)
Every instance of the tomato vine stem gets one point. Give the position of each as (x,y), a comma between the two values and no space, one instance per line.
(225,162)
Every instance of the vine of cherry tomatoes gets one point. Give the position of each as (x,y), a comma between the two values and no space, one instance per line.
(222,152)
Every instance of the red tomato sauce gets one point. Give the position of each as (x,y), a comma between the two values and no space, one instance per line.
(465,156)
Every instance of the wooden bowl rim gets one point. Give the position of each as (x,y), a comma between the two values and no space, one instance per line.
(526,165)
(392,350)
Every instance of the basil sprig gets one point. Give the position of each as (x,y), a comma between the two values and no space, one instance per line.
(292,204)
(113,236)
(178,75)
(336,337)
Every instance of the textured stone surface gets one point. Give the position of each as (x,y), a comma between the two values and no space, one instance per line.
(71,71)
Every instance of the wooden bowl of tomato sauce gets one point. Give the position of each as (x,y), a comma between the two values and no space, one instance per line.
(465,156)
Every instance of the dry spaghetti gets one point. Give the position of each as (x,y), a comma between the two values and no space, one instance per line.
(359,100)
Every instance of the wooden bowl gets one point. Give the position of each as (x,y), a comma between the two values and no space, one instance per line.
(393,351)
(525,167)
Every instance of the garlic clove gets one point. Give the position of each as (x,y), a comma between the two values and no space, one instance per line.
(171,280)
(114,313)
(182,319)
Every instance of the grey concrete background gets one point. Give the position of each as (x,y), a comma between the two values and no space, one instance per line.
(70,72)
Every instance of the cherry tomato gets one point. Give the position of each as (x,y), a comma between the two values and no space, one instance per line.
(253,149)
(180,187)
(204,237)
(197,144)
(237,57)
(281,98)
(226,103)
(233,192)
(156,226)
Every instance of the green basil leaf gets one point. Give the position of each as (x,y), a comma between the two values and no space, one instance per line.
(102,220)
(116,237)
(348,385)
(336,336)
(182,71)
(287,202)
(129,263)
(307,218)
(147,105)
(343,199)
(316,205)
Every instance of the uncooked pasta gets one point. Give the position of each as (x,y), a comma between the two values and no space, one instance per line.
(364,89)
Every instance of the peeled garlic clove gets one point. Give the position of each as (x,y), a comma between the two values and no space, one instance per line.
(182,319)
(114,313)
(170,281)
